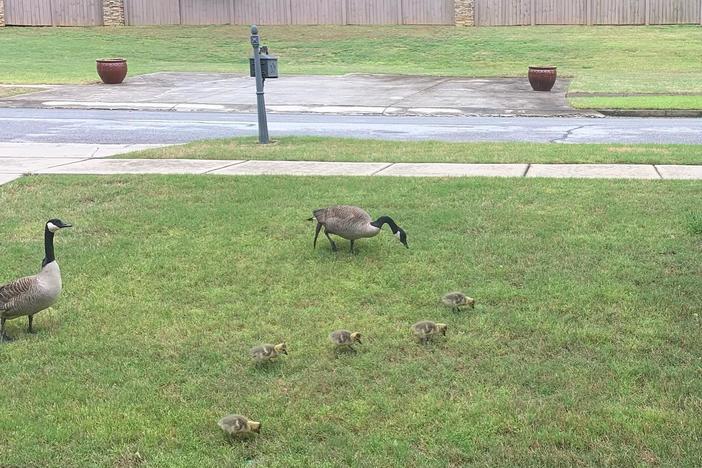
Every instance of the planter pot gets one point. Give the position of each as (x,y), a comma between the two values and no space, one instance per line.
(542,78)
(112,70)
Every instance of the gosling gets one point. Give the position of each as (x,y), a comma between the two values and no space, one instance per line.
(268,352)
(456,300)
(426,330)
(344,339)
(235,425)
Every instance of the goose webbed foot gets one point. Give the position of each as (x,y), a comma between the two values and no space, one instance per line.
(4,338)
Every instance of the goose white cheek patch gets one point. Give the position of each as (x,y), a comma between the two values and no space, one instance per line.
(397,234)
(52,227)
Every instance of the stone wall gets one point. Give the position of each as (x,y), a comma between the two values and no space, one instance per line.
(465,12)
(112,12)
(2,13)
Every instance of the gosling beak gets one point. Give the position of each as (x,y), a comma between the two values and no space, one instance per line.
(359,341)
(257,429)
(285,351)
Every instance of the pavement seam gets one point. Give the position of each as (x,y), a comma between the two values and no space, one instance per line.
(655,168)
(441,81)
(567,134)
(225,166)
(526,170)
(382,168)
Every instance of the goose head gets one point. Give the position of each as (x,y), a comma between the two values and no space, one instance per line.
(402,236)
(442,327)
(54,225)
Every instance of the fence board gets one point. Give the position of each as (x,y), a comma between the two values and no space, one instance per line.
(28,12)
(560,12)
(207,12)
(317,11)
(262,12)
(427,12)
(76,12)
(143,12)
(372,12)
(674,11)
(619,11)
(502,12)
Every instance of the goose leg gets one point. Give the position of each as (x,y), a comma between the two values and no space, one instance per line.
(352,251)
(316,233)
(3,336)
(333,244)
(31,319)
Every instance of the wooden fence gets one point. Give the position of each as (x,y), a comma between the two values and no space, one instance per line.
(54,12)
(141,12)
(526,12)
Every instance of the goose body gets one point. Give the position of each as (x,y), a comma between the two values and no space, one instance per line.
(235,424)
(266,352)
(32,294)
(352,223)
(345,339)
(456,300)
(426,330)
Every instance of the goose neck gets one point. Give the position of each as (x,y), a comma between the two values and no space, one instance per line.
(48,247)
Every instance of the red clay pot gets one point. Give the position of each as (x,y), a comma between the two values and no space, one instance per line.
(542,78)
(112,70)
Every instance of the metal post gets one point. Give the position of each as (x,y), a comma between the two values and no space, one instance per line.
(260,101)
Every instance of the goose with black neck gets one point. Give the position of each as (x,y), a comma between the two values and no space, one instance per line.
(32,294)
(352,223)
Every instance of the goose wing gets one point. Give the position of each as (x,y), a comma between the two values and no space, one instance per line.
(340,219)
(12,293)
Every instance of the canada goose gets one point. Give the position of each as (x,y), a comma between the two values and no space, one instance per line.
(32,294)
(266,352)
(235,424)
(456,300)
(345,339)
(426,329)
(351,222)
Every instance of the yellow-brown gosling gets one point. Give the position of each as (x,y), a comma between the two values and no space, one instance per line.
(345,339)
(266,352)
(235,425)
(426,329)
(456,300)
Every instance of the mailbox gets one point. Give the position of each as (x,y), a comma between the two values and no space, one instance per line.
(269,66)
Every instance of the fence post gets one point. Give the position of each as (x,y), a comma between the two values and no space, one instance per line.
(532,8)
(647,12)
(345,12)
(590,18)
(400,14)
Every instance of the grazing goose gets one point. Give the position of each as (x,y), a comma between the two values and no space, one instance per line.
(266,352)
(456,300)
(234,425)
(351,222)
(345,339)
(426,329)
(32,294)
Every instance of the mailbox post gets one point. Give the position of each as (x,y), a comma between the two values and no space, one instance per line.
(262,66)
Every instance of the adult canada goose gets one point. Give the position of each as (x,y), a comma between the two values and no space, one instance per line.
(351,222)
(456,300)
(235,425)
(344,339)
(32,294)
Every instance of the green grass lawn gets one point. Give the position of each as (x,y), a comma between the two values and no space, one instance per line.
(637,102)
(654,59)
(583,349)
(346,149)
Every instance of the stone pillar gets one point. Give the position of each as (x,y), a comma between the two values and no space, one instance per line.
(112,12)
(2,12)
(465,12)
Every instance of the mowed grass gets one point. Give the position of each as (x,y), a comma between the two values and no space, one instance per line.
(583,349)
(347,149)
(652,59)
(638,102)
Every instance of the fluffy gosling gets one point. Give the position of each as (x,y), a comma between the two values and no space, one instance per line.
(235,425)
(456,300)
(344,339)
(426,329)
(267,352)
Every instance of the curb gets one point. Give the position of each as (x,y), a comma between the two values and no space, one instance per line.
(693,113)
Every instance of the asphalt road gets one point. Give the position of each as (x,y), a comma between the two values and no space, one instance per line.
(138,127)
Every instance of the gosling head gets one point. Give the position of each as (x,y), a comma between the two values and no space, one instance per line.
(442,327)
(54,225)
(470,302)
(255,426)
(281,348)
(356,337)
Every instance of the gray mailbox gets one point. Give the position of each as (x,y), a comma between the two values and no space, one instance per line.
(269,65)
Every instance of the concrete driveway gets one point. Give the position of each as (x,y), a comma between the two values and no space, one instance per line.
(347,94)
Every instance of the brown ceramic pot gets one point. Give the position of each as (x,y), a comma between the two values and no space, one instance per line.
(542,78)
(112,70)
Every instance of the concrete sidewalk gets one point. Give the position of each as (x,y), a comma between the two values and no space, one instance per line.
(360,94)
(17,159)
